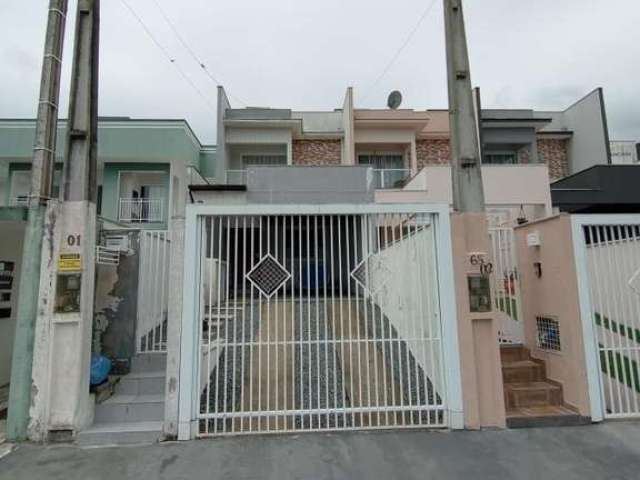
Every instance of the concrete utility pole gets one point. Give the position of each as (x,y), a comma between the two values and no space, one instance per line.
(468,194)
(68,405)
(41,186)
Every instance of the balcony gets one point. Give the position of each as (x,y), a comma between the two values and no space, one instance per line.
(388,178)
(383,178)
(141,210)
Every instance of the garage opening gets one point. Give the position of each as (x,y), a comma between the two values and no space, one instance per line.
(318,322)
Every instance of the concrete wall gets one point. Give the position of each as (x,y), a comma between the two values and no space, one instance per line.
(10,250)
(348,142)
(504,185)
(116,299)
(587,120)
(221,149)
(309,185)
(555,294)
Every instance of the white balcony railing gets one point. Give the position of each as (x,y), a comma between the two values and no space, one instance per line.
(387,178)
(383,178)
(236,177)
(141,210)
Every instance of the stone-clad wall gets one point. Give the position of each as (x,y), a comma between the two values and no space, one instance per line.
(317,152)
(433,152)
(554,153)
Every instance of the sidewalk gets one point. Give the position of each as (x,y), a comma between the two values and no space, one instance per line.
(610,450)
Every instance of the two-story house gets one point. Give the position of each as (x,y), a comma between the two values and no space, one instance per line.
(364,159)
(144,166)
(408,151)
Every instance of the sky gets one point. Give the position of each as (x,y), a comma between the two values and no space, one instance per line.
(302,54)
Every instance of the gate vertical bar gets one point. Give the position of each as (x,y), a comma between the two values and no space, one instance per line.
(588,329)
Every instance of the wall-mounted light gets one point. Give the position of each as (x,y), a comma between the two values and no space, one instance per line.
(537,268)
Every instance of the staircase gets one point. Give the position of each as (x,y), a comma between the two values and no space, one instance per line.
(134,414)
(531,399)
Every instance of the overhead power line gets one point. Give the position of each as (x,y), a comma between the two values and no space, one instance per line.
(166,53)
(397,54)
(193,55)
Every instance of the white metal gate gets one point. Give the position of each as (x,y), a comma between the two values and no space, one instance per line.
(506,285)
(153,291)
(320,321)
(608,264)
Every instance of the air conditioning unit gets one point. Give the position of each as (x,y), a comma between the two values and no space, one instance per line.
(118,243)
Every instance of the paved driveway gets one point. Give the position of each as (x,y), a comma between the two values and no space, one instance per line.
(609,451)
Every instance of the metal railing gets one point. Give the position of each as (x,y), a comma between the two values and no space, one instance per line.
(20,201)
(107,256)
(153,291)
(143,210)
(505,288)
(387,178)
(236,177)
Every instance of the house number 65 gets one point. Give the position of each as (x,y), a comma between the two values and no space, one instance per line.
(486,268)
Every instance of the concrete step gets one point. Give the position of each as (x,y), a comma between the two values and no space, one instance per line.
(513,353)
(523,371)
(547,416)
(131,408)
(143,383)
(101,434)
(149,362)
(532,394)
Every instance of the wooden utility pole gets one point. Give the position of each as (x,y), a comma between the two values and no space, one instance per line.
(41,187)
(468,194)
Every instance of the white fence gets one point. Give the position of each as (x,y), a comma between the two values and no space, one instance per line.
(319,321)
(608,262)
(142,210)
(505,288)
(153,291)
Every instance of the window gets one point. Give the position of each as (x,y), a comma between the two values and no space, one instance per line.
(385,161)
(548,334)
(508,158)
(21,186)
(266,159)
(389,171)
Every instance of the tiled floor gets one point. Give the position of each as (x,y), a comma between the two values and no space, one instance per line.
(540,411)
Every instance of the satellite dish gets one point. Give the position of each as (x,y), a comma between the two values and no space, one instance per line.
(395,99)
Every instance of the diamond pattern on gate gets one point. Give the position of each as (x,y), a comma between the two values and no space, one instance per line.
(634,282)
(268,275)
(372,267)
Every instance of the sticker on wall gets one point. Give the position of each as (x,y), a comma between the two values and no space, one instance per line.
(69,262)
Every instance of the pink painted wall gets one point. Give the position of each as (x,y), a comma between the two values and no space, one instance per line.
(555,294)
(507,185)
(481,368)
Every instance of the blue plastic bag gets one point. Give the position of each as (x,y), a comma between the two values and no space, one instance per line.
(100,368)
